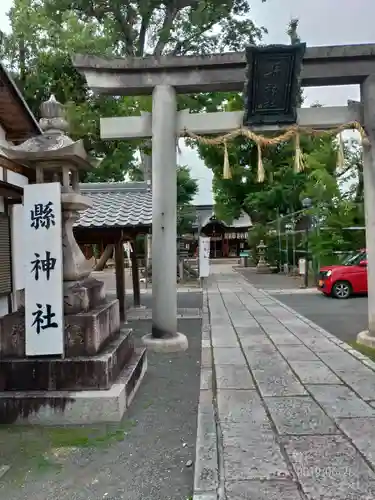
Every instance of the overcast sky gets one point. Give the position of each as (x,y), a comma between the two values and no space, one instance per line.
(322,22)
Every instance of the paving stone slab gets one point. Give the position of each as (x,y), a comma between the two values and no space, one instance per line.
(278,380)
(299,415)
(229,356)
(314,372)
(330,468)
(206,461)
(340,360)
(205,402)
(362,381)
(320,344)
(206,379)
(233,377)
(206,465)
(297,353)
(241,406)
(249,331)
(255,340)
(262,490)
(206,357)
(340,401)
(262,356)
(255,457)
(227,340)
(361,431)
(284,338)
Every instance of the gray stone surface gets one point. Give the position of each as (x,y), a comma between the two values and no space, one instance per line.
(329,467)
(299,415)
(362,381)
(254,456)
(262,490)
(233,377)
(312,405)
(229,356)
(340,401)
(262,356)
(206,463)
(224,337)
(361,431)
(206,357)
(284,338)
(240,406)
(278,380)
(206,378)
(341,360)
(297,353)
(314,372)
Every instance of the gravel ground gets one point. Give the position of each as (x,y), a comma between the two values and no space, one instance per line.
(146,458)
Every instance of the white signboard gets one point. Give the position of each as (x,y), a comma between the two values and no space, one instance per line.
(204,257)
(43,269)
(302,266)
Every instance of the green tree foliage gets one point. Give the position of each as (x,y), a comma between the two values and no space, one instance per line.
(44,36)
(187,188)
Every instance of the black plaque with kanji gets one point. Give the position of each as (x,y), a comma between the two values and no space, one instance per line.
(272,85)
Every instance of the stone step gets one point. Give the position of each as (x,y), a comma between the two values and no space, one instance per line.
(76,408)
(77,373)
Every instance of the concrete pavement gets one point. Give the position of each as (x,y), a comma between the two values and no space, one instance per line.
(286,411)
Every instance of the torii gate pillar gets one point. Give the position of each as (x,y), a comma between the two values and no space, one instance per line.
(368,109)
(164,336)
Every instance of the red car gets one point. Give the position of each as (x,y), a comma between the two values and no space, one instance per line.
(349,278)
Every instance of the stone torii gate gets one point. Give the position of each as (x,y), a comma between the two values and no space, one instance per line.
(167,76)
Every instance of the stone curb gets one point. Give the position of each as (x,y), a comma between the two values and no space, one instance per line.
(206,471)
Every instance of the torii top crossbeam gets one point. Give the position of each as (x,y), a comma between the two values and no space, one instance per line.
(322,66)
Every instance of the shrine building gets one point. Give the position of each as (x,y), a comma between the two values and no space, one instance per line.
(227,239)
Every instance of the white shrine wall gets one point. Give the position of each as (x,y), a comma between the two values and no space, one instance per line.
(17,242)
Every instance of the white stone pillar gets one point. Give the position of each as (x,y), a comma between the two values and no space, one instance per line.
(164,200)
(368,107)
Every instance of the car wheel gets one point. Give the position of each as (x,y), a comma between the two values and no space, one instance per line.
(341,290)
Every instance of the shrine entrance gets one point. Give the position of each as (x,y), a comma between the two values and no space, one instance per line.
(272,76)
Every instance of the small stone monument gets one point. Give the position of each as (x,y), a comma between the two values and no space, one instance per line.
(262,266)
(99,369)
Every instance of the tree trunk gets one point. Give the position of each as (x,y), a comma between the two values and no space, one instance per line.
(107,254)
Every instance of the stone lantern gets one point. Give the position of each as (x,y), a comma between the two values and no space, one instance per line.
(97,352)
(55,156)
(262,266)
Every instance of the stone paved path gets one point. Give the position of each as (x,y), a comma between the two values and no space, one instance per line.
(286,411)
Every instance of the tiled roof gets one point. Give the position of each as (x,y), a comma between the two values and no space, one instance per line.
(127,204)
(206,214)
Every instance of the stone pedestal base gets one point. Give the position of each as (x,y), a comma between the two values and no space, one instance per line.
(76,408)
(174,343)
(85,332)
(78,373)
(83,295)
(366,339)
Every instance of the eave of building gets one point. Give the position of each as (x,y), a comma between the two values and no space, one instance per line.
(16,117)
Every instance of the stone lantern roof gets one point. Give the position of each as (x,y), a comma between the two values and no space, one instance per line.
(54,147)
